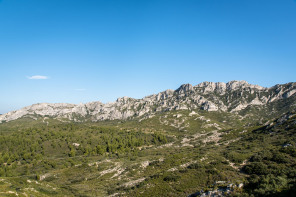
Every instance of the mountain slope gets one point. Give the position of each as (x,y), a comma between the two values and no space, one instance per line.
(235,97)
(175,153)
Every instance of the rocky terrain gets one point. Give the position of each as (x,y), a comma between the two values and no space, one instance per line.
(212,139)
(235,97)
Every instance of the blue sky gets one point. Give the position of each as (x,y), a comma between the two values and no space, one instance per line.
(98,50)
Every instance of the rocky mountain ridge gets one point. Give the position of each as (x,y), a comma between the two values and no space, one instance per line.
(232,97)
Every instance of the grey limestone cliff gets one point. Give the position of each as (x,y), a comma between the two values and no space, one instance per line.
(233,97)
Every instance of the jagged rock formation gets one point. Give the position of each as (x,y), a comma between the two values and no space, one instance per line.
(234,97)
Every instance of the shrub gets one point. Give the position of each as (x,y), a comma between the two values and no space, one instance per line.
(171,178)
(258,168)
(195,166)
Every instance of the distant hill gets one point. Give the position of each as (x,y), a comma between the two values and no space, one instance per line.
(237,97)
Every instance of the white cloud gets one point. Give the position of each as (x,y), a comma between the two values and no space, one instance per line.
(38,77)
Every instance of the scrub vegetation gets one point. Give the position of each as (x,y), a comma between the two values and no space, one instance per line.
(177,153)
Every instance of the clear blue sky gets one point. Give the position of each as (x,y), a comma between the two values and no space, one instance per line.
(98,50)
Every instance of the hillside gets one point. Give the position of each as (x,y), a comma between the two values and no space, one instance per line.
(237,97)
(190,151)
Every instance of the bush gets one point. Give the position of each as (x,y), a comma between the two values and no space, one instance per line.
(267,185)
(264,155)
(171,178)
(195,166)
(235,157)
(279,158)
(258,168)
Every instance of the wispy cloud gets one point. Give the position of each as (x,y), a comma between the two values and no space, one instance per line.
(38,77)
(80,89)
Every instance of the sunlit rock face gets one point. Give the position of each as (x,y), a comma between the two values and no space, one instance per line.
(233,97)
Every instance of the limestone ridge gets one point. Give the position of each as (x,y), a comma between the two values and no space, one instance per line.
(233,97)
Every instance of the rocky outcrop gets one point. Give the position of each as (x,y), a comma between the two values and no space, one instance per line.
(233,96)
